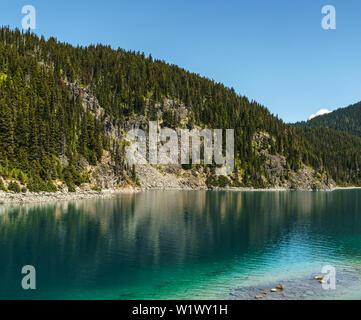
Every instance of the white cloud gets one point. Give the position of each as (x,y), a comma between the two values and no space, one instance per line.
(319,113)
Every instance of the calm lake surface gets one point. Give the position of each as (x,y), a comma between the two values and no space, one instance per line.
(182,245)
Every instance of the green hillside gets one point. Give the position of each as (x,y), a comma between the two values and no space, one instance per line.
(45,132)
(344,119)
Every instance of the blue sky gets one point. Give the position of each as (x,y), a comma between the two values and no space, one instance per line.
(274,52)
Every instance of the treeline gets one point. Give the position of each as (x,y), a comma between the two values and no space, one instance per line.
(41,124)
(344,119)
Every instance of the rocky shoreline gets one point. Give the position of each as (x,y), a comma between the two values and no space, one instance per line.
(304,288)
(31,197)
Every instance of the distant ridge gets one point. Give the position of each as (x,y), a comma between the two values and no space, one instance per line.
(344,119)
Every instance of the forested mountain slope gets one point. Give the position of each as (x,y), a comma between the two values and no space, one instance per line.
(64,111)
(339,152)
(344,119)
(335,137)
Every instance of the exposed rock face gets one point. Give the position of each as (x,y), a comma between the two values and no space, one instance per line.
(307,179)
(277,172)
(169,177)
(280,175)
(105,175)
(90,103)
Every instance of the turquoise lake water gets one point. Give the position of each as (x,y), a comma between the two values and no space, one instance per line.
(182,245)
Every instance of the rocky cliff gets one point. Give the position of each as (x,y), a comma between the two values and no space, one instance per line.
(105,174)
